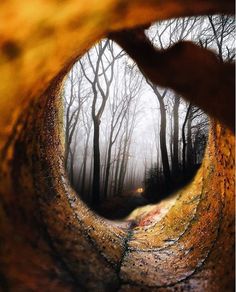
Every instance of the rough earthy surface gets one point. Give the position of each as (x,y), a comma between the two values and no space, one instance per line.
(49,240)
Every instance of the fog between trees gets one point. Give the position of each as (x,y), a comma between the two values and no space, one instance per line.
(123,132)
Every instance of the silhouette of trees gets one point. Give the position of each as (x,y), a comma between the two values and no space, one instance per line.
(74,98)
(215,32)
(106,100)
(122,122)
(100,81)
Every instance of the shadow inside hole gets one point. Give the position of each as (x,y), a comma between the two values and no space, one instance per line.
(122,206)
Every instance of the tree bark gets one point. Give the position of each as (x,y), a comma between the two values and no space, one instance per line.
(96,165)
(84,166)
(164,153)
(189,140)
(175,165)
(108,165)
(184,140)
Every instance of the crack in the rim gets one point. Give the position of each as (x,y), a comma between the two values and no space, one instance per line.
(125,252)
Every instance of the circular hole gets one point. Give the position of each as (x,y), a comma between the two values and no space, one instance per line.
(129,143)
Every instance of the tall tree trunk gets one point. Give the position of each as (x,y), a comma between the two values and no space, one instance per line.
(111,184)
(124,164)
(195,149)
(67,129)
(164,153)
(184,140)
(175,165)
(171,142)
(84,167)
(189,141)
(122,168)
(117,169)
(96,165)
(108,165)
(90,180)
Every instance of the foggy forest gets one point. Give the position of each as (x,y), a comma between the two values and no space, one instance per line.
(126,137)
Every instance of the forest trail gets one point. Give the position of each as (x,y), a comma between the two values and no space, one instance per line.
(120,207)
(134,207)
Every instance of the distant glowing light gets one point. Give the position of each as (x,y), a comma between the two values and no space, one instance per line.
(140,190)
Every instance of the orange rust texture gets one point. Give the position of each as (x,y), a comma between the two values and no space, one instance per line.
(49,240)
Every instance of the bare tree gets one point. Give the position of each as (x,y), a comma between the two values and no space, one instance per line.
(189,109)
(118,108)
(102,76)
(129,126)
(218,33)
(87,123)
(74,97)
(164,154)
(177,30)
(175,160)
